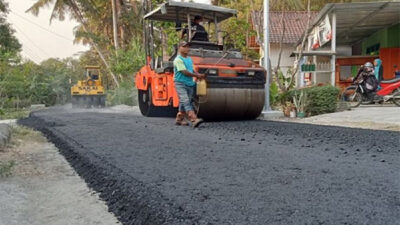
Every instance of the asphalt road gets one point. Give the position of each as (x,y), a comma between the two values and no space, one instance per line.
(150,171)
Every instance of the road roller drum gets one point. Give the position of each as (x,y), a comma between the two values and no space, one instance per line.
(231,103)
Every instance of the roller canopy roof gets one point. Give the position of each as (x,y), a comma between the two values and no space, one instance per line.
(177,12)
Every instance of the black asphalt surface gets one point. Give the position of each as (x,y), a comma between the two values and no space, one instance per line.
(150,171)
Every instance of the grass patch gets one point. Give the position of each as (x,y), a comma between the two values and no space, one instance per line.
(19,133)
(6,168)
(6,114)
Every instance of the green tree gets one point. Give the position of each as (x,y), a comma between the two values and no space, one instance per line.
(58,75)
(9,44)
(13,87)
(127,62)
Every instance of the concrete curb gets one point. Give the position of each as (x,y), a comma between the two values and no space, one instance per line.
(5,135)
(271,115)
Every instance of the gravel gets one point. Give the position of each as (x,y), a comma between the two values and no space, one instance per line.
(150,171)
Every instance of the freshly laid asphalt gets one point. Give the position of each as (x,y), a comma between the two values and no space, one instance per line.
(150,171)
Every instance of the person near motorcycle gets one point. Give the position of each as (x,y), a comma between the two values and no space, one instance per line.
(378,71)
(364,89)
(366,77)
(396,71)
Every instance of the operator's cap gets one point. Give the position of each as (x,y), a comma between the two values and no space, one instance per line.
(198,17)
(183,44)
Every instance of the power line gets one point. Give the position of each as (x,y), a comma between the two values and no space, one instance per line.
(37,56)
(43,28)
(26,47)
(29,56)
(30,40)
(26,36)
(29,52)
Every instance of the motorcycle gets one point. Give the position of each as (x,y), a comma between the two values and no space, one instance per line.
(357,93)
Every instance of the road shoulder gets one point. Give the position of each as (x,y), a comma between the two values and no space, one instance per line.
(40,187)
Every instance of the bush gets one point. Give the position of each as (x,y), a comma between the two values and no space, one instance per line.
(15,103)
(321,99)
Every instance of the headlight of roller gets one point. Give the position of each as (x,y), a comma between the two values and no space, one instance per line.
(212,71)
(251,73)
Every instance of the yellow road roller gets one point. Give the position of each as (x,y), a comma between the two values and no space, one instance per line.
(89,92)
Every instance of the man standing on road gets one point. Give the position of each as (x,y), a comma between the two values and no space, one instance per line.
(185,86)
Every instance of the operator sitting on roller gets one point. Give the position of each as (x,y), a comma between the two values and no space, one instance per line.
(185,86)
(199,33)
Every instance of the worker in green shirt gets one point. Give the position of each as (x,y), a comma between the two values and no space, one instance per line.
(185,86)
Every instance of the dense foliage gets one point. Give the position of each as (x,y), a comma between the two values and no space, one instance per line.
(9,45)
(28,83)
(129,61)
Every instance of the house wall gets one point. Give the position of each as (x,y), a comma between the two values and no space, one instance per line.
(286,60)
(385,38)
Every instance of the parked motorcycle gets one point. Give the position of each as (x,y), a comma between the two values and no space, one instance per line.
(357,93)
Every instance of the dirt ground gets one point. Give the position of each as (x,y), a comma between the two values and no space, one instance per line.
(40,188)
(150,171)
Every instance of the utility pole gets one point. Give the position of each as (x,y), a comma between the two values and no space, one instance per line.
(267,106)
(115,24)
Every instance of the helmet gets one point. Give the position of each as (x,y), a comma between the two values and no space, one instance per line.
(368,65)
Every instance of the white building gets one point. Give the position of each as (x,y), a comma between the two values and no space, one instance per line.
(295,23)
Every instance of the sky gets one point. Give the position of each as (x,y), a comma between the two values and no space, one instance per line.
(41,39)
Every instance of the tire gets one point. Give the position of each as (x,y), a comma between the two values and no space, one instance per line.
(352,97)
(149,110)
(396,98)
(144,102)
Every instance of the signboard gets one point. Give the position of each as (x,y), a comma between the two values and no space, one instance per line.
(325,31)
(320,35)
(313,39)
